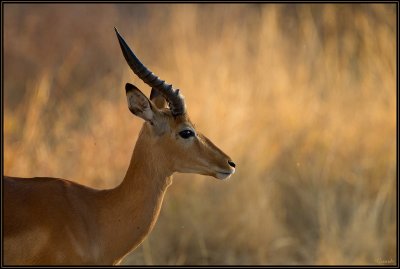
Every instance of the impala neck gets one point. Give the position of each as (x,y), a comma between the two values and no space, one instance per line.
(132,208)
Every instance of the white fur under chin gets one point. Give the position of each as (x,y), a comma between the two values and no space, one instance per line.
(223,176)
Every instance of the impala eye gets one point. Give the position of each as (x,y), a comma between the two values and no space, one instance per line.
(186,134)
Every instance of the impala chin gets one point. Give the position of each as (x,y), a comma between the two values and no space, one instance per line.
(219,174)
(224,175)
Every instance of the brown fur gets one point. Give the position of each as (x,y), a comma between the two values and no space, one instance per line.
(50,221)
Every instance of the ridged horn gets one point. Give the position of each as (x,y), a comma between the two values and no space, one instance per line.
(175,99)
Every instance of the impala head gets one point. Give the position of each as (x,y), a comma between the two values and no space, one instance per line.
(168,128)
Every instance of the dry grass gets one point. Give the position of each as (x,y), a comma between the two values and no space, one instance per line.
(303,98)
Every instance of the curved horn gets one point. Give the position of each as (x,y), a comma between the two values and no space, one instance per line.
(174,98)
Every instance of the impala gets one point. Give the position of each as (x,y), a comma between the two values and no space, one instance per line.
(52,221)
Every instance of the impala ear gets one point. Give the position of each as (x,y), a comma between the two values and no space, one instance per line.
(138,103)
(157,98)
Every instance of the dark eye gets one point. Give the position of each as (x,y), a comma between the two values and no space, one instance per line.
(186,134)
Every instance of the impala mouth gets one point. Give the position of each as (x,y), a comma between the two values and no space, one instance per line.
(224,174)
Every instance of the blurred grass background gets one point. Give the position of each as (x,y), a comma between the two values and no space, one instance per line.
(302,97)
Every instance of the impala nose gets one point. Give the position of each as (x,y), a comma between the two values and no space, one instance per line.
(232,164)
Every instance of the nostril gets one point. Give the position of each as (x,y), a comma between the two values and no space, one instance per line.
(232,164)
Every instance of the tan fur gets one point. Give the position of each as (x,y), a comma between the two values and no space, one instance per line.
(49,221)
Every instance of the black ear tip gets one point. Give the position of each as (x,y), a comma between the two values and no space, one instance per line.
(129,87)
